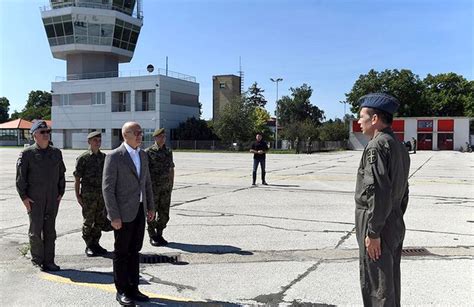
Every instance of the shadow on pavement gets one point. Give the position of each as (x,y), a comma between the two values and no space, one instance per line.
(107,278)
(210,249)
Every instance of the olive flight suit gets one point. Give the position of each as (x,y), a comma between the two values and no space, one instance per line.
(381,199)
(40,176)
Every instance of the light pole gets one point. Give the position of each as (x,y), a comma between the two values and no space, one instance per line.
(276,80)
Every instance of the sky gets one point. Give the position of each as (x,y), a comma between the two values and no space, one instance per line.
(326,44)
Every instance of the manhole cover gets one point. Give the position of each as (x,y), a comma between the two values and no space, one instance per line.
(155,258)
(418,251)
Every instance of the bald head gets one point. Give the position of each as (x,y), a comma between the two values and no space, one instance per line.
(132,134)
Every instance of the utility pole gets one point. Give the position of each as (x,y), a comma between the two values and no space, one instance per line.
(276,80)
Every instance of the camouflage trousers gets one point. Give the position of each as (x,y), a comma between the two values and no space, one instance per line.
(162,194)
(95,218)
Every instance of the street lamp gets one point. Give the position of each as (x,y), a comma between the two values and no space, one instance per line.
(276,80)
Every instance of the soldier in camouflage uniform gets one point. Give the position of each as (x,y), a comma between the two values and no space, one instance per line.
(40,183)
(162,176)
(381,198)
(88,187)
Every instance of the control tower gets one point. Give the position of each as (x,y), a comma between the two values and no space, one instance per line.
(93,36)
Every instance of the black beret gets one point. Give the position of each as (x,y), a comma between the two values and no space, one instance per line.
(380,101)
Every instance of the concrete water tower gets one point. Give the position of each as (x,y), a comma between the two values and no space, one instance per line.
(93,36)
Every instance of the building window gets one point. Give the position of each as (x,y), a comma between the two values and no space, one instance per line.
(98,98)
(64,100)
(221,84)
(8,134)
(121,102)
(125,35)
(145,100)
(148,139)
(59,30)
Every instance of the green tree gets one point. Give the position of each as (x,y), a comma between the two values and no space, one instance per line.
(402,84)
(255,96)
(4,108)
(298,107)
(260,118)
(194,129)
(38,106)
(334,130)
(236,122)
(449,95)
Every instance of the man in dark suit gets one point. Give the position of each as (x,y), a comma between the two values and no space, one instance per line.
(128,194)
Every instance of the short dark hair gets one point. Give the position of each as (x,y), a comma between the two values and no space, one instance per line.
(386,117)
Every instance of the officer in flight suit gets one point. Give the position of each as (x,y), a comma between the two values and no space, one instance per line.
(381,199)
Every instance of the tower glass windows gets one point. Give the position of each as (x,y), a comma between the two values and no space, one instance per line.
(125,35)
(59,30)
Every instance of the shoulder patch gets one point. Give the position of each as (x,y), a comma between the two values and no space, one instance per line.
(371,156)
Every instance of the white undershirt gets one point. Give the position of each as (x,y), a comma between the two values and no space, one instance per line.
(135,155)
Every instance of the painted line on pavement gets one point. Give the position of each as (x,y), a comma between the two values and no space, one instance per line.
(106,287)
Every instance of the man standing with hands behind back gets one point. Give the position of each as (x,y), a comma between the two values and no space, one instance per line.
(128,194)
(381,201)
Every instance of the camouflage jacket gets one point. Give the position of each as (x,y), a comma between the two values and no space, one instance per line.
(89,167)
(160,162)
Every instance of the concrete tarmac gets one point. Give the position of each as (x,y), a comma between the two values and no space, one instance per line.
(289,243)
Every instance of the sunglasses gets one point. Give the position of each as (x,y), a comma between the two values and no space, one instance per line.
(136,133)
(45,132)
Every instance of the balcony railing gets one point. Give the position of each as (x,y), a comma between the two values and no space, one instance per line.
(137,13)
(131,73)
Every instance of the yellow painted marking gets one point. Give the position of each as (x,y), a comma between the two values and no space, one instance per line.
(107,288)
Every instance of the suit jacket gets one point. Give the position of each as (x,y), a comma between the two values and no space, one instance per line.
(121,185)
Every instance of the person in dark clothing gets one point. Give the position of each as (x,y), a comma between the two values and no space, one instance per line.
(414,145)
(259,149)
(40,183)
(381,199)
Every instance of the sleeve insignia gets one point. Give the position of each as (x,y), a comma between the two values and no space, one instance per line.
(371,156)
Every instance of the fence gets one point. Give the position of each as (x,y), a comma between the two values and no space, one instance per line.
(219,145)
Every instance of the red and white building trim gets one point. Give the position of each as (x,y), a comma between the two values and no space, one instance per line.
(431,133)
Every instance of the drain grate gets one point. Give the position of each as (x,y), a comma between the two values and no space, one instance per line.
(155,258)
(417,251)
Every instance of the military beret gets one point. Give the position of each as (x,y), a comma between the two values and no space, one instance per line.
(39,124)
(380,101)
(159,131)
(93,134)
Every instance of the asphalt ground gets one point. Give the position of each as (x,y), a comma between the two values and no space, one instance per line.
(289,243)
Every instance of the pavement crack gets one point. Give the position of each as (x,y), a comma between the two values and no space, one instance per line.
(277,298)
(345,237)
(179,287)
(420,167)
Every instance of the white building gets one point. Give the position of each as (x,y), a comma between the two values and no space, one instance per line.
(94,36)
(431,133)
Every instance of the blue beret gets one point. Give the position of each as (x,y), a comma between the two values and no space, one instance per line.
(39,124)
(380,101)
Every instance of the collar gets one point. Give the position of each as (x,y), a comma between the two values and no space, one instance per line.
(130,149)
(387,129)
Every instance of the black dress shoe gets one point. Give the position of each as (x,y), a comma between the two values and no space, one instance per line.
(99,250)
(50,267)
(124,300)
(139,297)
(264,183)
